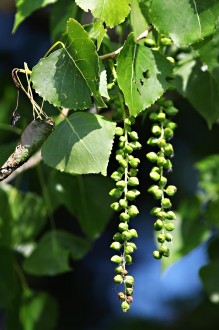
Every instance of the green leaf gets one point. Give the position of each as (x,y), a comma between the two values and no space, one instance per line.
(97,32)
(51,257)
(8,281)
(25,215)
(68,77)
(36,310)
(209,275)
(112,12)
(139,16)
(200,88)
(86,197)
(81,144)
(209,54)
(103,84)
(61,11)
(25,8)
(141,75)
(185,21)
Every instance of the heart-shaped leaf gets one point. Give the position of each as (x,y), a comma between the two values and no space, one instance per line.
(68,77)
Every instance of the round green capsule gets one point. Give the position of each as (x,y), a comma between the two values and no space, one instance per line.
(168,133)
(169,226)
(171,215)
(115,193)
(128,149)
(133,135)
(134,162)
(149,42)
(133,245)
(128,259)
(121,296)
(166,41)
(126,235)
(152,141)
(124,216)
(115,206)
(158,225)
(135,145)
(156,130)
(132,211)
(118,279)
(157,254)
(119,131)
(129,280)
(154,176)
(116,246)
(171,190)
(121,184)
(161,238)
(123,226)
(152,157)
(123,203)
(166,203)
(129,250)
(168,237)
(171,111)
(116,259)
(125,306)
(161,117)
(161,161)
(168,150)
(133,181)
(133,233)
(129,291)
(133,171)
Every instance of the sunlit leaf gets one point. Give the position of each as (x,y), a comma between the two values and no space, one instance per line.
(185,21)
(112,12)
(142,75)
(193,82)
(81,144)
(69,77)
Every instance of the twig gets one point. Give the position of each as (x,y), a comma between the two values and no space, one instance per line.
(33,161)
(141,36)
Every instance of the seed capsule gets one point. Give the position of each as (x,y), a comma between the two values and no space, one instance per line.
(128,149)
(156,130)
(133,181)
(125,306)
(158,225)
(152,141)
(168,237)
(133,233)
(161,117)
(124,216)
(157,254)
(135,145)
(168,150)
(123,226)
(121,184)
(171,111)
(169,226)
(121,296)
(116,246)
(149,42)
(171,190)
(132,211)
(129,280)
(171,215)
(116,259)
(129,291)
(115,206)
(154,176)
(115,193)
(129,250)
(128,259)
(168,133)
(166,41)
(123,203)
(117,237)
(133,135)
(133,172)
(134,162)
(119,131)
(133,245)
(116,176)
(166,203)
(118,279)
(161,238)
(152,157)
(126,235)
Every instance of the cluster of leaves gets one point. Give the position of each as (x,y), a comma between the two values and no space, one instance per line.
(86,74)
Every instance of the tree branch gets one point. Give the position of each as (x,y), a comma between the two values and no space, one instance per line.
(141,36)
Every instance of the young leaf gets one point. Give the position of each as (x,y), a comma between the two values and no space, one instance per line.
(25,8)
(112,12)
(85,197)
(97,32)
(51,257)
(185,21)
(200,88)
(68,77)
(81,144)
(141,75)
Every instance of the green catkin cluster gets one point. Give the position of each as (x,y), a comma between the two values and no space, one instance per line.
(162,130)
(125,193)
